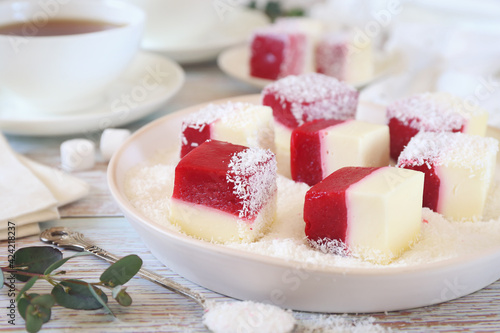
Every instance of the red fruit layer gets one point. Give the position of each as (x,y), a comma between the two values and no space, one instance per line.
(400,135)
(267,56)
(200,177)
(325,207)
(305,151)
(195,136)
(277,55)
(281,109)
(431,183)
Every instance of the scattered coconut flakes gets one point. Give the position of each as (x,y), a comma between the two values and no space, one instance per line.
(253,174)
(331,246)
(247,316)
(433,111)
(440,239)
(445,148)
(315,96)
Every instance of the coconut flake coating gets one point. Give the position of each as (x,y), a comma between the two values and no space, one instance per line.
(253,174)
(432,112)
(444,148)
(309,97)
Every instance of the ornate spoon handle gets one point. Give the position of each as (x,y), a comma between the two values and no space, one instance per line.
(65,238)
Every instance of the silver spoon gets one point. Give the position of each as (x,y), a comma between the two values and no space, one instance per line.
(65,238)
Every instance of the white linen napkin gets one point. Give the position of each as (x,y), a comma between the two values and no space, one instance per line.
(31,192)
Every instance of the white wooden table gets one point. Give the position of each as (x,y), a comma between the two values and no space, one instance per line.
(156,309)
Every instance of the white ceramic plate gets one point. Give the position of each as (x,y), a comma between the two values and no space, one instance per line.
(226,32)
(249,276)
(149,82)
(235,63)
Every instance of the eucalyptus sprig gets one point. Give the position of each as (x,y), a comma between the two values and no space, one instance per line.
(32,264)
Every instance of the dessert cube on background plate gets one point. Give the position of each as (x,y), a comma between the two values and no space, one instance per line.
(239,123)
(339,56)
(276,52)
(458,171)
(432,112)
(374,212)
(302,98)
(320,147)
(313,30)
(225,192)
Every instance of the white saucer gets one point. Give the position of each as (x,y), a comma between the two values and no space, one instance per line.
(227,32)
(113,111)
(235,63)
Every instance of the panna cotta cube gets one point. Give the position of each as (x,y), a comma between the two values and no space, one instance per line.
(459,169)
(276,52)
(225,192)
(239,123)
(337,55)
(374,212)
(321,147)
(432,112)
(302,98)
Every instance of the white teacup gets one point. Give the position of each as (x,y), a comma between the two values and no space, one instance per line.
(172,24)
(65,73)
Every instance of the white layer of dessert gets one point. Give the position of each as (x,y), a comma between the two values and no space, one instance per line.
(213,225)
(282,137)
(354,143)
(384,213)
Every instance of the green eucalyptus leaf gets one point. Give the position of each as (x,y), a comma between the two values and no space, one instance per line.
(35,259)
(46,301)
(61,262)
(78,295)
(44,313)
(41,305)
(121,271)
(22,304)
(295,12)
(99,298)
(26,287)
(33,320)
(273,10)
(123,298)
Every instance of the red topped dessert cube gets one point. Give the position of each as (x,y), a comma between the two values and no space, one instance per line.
(374,213)
(459,169)
(277,52)
(302,98)
(432,112)
(224,192)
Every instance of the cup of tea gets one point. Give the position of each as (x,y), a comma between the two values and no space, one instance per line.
(60,55)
